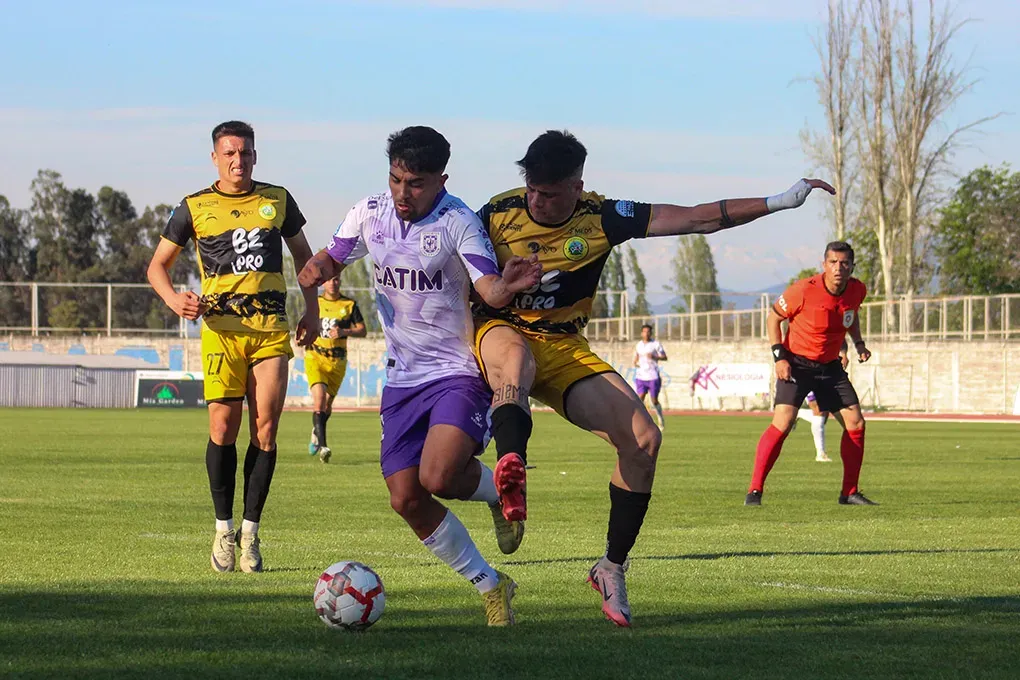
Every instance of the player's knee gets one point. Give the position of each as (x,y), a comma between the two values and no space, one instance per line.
(265,435)
(854,420)
(220,432)
(406,505)
(642,450)
(437,480)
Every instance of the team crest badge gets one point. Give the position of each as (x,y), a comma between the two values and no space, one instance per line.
(848,318)
(430,243)
(267,211)
(575,248)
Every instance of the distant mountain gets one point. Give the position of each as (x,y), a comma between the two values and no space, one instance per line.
(729,298)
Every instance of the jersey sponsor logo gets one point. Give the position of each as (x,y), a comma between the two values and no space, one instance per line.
(625,208)
(575,248)
(235,213)
(405,278)
(245,244)
(510,227)
(536,247)
(267,211)
(325,324)
(848,318)
(540,296)
(582,230)
(430,243)
(782,304)
(208,203)
(372,204)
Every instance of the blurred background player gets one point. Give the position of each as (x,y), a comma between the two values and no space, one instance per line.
(239,227)
(647,355)
(820,310)
(326,358)
(817,418)
(534,346)
(427,248)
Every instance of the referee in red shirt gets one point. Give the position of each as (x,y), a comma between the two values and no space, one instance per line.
(820,310)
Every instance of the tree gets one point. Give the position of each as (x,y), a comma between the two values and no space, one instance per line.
(17,261)
(694,272)
(977,238)
(803,274)
(640,305)
(890,68)
(613,279)
(359,276)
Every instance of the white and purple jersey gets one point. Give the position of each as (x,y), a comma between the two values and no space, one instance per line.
(423,272)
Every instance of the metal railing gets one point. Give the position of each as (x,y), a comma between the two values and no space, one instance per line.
(966,318)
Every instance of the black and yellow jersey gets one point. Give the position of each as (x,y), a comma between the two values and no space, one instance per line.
(342,313)
(239,239)
(572,255)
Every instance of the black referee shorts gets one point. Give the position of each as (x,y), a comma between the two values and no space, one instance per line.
(829,382)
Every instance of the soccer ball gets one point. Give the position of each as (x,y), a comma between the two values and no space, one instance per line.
(349,596)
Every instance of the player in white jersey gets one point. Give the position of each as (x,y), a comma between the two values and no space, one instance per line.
(427,248)
(647,355)
(817,418)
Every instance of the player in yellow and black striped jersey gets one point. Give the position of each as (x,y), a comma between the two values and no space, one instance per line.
(534,346)
(239,227)
(326,358)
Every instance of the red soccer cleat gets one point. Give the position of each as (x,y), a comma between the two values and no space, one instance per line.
(510,478)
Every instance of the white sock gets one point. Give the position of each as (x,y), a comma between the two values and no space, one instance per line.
(451,543)
(805,414)
(818,431)
(658,409)
(249,527)
(224,525)
(486,490)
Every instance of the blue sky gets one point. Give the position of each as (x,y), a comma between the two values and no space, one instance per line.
(677,101)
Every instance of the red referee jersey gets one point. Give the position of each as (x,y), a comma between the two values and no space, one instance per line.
(818,319)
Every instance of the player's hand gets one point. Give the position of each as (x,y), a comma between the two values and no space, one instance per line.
(863,354)
(783,371)
(844,361)
(334,333)
(188,305)
(313,274)
(795,196)
(307,329)
(520,273)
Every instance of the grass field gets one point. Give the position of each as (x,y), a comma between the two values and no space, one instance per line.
(105,530)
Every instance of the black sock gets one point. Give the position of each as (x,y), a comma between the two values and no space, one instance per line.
(319,419)
(258,475)
(511,428)
(626,514)
(221,463)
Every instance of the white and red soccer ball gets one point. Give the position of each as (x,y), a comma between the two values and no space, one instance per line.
(349,596)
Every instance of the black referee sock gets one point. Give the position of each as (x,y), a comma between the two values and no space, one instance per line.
(221,463)
(626,514)
(319,419)
(258,475)
(511,428)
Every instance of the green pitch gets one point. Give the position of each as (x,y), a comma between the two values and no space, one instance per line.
(106,526)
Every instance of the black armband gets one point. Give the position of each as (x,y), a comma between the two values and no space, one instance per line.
(780,353)
(725,221)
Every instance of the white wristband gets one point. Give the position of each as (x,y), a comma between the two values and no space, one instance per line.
(793,197)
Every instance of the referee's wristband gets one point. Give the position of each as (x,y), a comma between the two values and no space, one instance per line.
(858,343)
(780,353)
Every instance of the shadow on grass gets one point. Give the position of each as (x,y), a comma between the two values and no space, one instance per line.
(149,632)
(773,553)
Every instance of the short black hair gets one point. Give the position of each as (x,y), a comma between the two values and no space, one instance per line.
(648,326)
(233,128)
(554,156)
(419,149)
(839,247)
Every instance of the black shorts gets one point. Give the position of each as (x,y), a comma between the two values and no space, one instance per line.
(829,382)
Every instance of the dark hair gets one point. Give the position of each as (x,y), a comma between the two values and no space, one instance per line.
(233,128)
(839,247)
(553,157)
(648,326)
(419,149)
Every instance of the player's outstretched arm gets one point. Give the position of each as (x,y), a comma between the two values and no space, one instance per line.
(186,304)
(308,326)
(319,268)
(519,274)
(708,218)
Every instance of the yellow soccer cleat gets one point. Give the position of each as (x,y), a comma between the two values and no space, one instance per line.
(497,602)
(508,534)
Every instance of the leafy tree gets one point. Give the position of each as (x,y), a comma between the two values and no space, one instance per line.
(978,234)
(803,274)
(640,305)
(17,262)
(694,272)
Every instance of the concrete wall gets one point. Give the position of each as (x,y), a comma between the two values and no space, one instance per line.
(951,377)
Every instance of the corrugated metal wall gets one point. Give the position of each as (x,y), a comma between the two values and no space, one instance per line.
(66,386)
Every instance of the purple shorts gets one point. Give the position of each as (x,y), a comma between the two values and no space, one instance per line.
(407,413)
(648,387)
